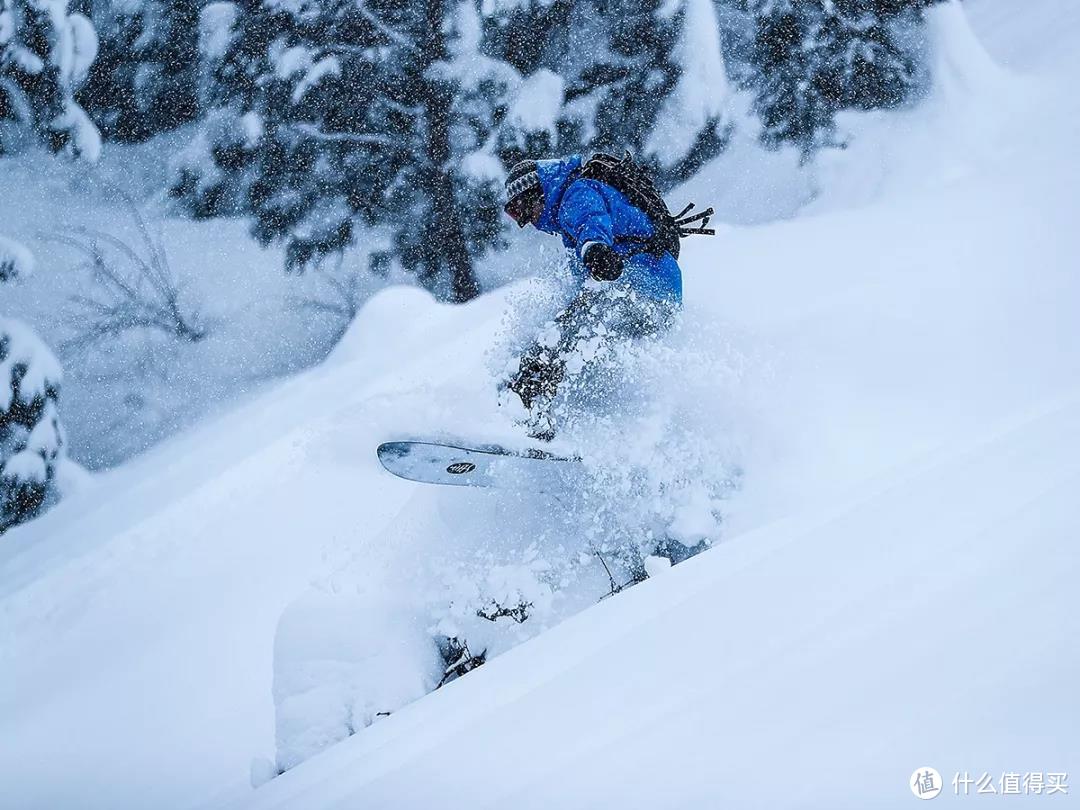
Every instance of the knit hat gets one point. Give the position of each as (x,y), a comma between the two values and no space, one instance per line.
(523,176)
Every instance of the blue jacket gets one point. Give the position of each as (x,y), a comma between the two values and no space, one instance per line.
(583,211)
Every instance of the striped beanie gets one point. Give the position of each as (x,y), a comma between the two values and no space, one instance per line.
(523,176)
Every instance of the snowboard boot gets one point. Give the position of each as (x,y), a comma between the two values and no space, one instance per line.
(538,377)
(536,384)
(540,425)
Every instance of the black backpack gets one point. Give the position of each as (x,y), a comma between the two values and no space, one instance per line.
(634,182)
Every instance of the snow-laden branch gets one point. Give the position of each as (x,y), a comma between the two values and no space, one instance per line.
(16,260)
(413,112)
(392,34)
(17,100)
(311,130)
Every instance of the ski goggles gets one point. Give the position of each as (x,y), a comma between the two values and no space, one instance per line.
(525,208)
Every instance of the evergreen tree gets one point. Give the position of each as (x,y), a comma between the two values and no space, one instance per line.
(436,125)
(692,125)
(530,36)
(16,260)
(789,58)
(145,79)
(45,54)
(816,57)
(381,112)
(31,437)
(648,77)
(633,75)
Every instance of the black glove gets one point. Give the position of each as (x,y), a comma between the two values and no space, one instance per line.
(603,263)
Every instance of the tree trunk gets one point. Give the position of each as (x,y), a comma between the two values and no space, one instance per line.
(445,249)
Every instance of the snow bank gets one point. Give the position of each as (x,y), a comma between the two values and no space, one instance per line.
(962,69)
(319,581)
(342,661)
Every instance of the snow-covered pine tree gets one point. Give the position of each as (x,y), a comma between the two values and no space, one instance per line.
(693,123)
(532,127)
(31,436)
(789,56)
(45,55)
(631,74)
(444,101)
(145,79)
(816,57)
(466,96)
(874,62)
(16,260)
(534,38)
(531,36)
(613,75)
(212,175)
(379,112)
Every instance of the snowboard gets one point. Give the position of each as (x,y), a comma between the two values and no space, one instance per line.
(479,466)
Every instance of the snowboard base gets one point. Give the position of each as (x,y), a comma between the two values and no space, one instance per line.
(481,466)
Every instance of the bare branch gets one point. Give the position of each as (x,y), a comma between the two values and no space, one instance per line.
(101,269)
(100,236)
(135,291)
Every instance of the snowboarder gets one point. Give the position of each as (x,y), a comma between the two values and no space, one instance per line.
(623,244)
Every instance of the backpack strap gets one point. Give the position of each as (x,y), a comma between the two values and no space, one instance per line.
(703,217)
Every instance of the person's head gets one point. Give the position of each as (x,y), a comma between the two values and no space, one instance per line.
(524,194)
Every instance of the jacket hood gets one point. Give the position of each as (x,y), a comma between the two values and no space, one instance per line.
(555,176)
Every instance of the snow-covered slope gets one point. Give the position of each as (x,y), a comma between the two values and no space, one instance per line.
(895,587)
(139,615)
(929,620)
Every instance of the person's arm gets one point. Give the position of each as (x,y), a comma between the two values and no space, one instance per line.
(584,216)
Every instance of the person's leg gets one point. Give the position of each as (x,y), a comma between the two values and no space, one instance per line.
(543,365)
(538,376)
(636,315)
(596,320)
